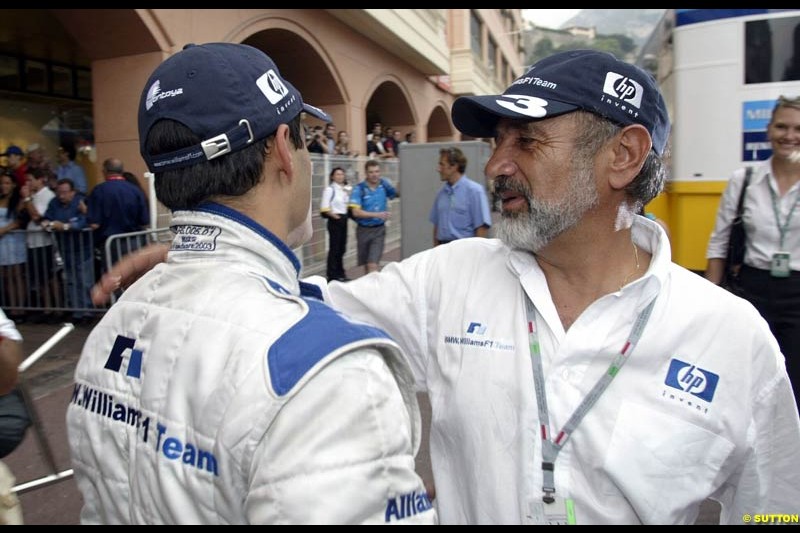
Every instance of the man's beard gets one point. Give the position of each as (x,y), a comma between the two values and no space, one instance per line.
(546,220)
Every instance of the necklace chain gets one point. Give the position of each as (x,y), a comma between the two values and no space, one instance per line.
(636,256)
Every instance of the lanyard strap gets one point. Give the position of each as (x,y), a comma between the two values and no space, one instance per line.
(551,447)
(782,228)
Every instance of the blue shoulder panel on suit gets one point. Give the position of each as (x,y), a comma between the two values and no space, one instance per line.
(319,333)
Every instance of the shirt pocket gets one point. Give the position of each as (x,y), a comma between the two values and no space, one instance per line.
(663,465)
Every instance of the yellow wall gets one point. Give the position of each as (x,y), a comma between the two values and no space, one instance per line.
(690,209)
(659,206)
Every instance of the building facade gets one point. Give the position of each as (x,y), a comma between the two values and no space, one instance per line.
(78,73)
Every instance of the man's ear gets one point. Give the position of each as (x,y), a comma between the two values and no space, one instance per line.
(630,149)
(282,151)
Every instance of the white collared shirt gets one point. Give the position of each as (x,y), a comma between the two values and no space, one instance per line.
(761,226)
(334,198)
(702,408)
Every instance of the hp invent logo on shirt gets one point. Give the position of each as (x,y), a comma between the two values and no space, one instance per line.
(115,358)
(692,379)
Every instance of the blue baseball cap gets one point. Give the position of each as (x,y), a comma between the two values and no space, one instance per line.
(13,150)
(228,94)
(594,81)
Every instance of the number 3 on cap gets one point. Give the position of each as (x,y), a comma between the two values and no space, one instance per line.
(529,106)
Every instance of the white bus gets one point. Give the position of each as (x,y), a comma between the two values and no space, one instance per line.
(728,67)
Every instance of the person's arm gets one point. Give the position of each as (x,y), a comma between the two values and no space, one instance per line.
(479,210)
(10,354)
(433,218)
(715,270)
(391,191)
(79,221)
(127,270)
(10,359)
(717,250)
(360,213)
(400,289)
(356,209)
(46,222)
(325,203)
(767,480)
(341,451)
(144,210)
(29,207)
(11,226)
(93,208)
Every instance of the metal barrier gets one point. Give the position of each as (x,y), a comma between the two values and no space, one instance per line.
(58,275)
(121,244)
(41,437)
(313,254)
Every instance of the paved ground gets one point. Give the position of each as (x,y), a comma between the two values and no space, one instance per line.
(49,382)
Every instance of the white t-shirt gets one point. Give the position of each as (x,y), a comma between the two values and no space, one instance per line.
(37,237)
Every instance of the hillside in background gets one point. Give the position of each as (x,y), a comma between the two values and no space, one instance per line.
(635,23)
(621,32)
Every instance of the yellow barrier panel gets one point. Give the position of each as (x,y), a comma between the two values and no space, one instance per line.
(691,209)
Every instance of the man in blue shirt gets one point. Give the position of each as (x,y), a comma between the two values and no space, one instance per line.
(64,217)
(461,208)
(117,206)
(370,207)
(68,168)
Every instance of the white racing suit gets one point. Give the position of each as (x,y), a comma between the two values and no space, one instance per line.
(214,391)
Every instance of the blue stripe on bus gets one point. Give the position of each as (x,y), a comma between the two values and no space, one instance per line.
(693,16)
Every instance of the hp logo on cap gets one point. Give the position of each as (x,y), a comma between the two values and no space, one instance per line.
(272,87)
(623,88)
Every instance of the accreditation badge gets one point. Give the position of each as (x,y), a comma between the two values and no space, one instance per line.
(560,512)
(779,268)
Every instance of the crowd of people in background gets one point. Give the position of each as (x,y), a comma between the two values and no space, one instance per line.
(382,143)
(53,228)
(48,256)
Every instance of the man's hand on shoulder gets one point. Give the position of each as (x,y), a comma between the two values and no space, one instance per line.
(127,270)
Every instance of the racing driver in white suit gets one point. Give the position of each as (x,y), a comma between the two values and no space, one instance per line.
(217,390)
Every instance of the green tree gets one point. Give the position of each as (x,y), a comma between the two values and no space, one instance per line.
(608,44)
(542,49)
(626,44)
(618,44)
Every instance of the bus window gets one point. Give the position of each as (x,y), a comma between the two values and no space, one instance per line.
(772,50)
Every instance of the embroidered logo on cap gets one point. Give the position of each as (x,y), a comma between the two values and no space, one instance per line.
(624,88)
(272,87)
(155,94)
